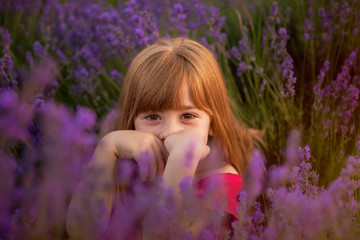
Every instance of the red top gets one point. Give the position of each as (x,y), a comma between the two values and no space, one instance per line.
(225,186)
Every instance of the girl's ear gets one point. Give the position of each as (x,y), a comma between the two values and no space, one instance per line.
(211,132)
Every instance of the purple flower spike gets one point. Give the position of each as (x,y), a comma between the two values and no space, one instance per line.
(318,92)
(258,218)
(242,68)
(116,75)
(126,171)
(85,117)
(235,53)
(7,72)
(178,11)
(15,116)
(139,32)
(185,184)
(355,32)
(306,36)
(303,178)
(352,168)
(278,176)
(283,33)
(254,176)
(274,9)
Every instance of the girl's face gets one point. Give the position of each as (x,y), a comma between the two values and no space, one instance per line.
(164,123)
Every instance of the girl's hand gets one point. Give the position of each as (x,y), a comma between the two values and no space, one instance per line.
(144,147)
(187,142)
(186,148)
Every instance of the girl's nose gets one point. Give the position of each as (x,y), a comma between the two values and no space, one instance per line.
(170,127)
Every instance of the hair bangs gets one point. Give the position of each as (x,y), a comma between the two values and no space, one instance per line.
(163,85)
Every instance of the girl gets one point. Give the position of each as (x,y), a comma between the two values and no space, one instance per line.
(174,109)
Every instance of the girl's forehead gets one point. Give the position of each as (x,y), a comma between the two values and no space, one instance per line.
(181,99)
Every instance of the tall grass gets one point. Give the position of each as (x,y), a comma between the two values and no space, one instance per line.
(324,102)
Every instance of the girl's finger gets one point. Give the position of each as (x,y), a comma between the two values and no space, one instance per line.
(144,160)
(158,162)
(162,153)
(152,168)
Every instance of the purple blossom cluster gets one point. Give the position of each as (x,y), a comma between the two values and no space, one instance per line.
(195,16)
(341,98)
(274,43)
(49,172)
(78,57)
(283,60)
(93,41)
(318,91)
(43,148)
(297,205)
(334,19)
(7,71)
(285,69)
(308,28)
(243,53)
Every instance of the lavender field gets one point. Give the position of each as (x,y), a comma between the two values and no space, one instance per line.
(291,68)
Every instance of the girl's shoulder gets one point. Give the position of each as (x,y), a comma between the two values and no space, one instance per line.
(226,177)
(227,169)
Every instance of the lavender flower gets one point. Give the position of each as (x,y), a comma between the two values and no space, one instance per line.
(254,177)
(355,32)
(345,12)
(44,146)
(30,59)
(349,104)
(65,134)
(242,68)
(303,178)
(39,50)
(351,101)
(274,9)
(308,30)
(15,116)
(178,11)
(245,44)
(342,79)
(288,73)
(235,53)
(323,15)
(283,38)
(319,93)
(39,102)
(351,169)
(116,75)
(7,72)
(258,218)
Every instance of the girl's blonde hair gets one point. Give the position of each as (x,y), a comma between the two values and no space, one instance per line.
(155,80)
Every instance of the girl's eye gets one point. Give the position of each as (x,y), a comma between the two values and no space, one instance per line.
(188,116)
(152,117)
